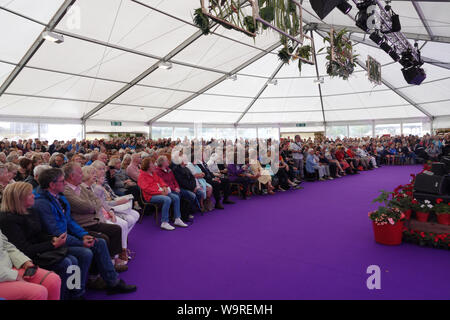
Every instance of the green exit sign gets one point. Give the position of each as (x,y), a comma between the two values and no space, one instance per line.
(300,125)
(116,123)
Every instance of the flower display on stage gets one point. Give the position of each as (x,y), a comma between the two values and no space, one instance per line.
(442,207)
(429,239)
(387,214)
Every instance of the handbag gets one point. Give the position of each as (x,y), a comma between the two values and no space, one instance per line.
(50,258)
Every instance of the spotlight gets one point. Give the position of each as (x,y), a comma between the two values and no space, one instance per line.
(362,16)
(375,37)
(166,65)
(324,7)
(395,20)
(396,26)
(394,55)
(344,6)
(386,48)
(53,37)
(414,75)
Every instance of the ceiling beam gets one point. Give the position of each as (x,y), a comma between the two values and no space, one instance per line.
(318,80)
(422,18)
(261,91)
(216,82)
(198,34)
(398,92)
(57,17)
(409,35)
(395,90)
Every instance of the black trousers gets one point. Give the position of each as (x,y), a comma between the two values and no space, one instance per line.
(135,191)
(219,187)
(283,178)
(111,233)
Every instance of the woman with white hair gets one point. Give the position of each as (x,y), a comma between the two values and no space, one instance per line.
(312,165)
(122,208)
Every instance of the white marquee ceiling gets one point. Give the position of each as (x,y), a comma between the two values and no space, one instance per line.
(106,67)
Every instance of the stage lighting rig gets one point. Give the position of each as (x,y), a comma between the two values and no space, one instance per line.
(324,7)
(384,27)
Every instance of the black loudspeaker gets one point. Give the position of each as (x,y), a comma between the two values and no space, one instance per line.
(431,197)
(324,7)
(439,168)
(432,184)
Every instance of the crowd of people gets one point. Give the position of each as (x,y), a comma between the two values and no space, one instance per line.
(72,205)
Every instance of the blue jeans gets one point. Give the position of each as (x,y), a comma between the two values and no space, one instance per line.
(83,257)
(188,195)
(166,202)
(60,269)
(99,252)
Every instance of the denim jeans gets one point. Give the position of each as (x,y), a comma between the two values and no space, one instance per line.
(83,258)
(166,202)
(60,269)
(99,252)
(190,196)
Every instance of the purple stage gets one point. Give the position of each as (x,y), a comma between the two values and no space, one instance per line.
(314,243)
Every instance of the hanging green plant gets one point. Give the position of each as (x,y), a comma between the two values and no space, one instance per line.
(267,13)
(341,60)
(285,54)
(202,21)
(304,52)
(249,23)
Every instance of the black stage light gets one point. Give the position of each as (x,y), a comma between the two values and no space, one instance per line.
(344,6)
(395,19)
(394,55)
(362,16)
(324,7)
(414,75)
(396,26)
(375,37)
(386,47)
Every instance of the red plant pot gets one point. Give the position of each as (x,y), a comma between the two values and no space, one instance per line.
(443,218)
(407,214)
(388,234)
(422,216)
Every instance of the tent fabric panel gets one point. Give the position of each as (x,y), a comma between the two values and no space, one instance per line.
(43,107)
(44,83)
(199,117)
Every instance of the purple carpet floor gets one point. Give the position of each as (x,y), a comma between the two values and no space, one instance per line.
(314,243)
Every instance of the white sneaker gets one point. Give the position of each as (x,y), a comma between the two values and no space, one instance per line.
(191,216)
(167,226)
(179,223)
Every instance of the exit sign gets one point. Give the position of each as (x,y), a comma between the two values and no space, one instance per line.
(300,125)
(116,123)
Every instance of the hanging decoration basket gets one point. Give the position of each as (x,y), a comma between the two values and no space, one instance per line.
(230,14)
(341,60)
(373,70)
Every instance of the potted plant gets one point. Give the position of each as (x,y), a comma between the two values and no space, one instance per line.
(402,201)
(423,211)
(387,221)
(442,210)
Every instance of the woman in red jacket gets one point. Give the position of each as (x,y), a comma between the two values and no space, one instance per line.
(155,190)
